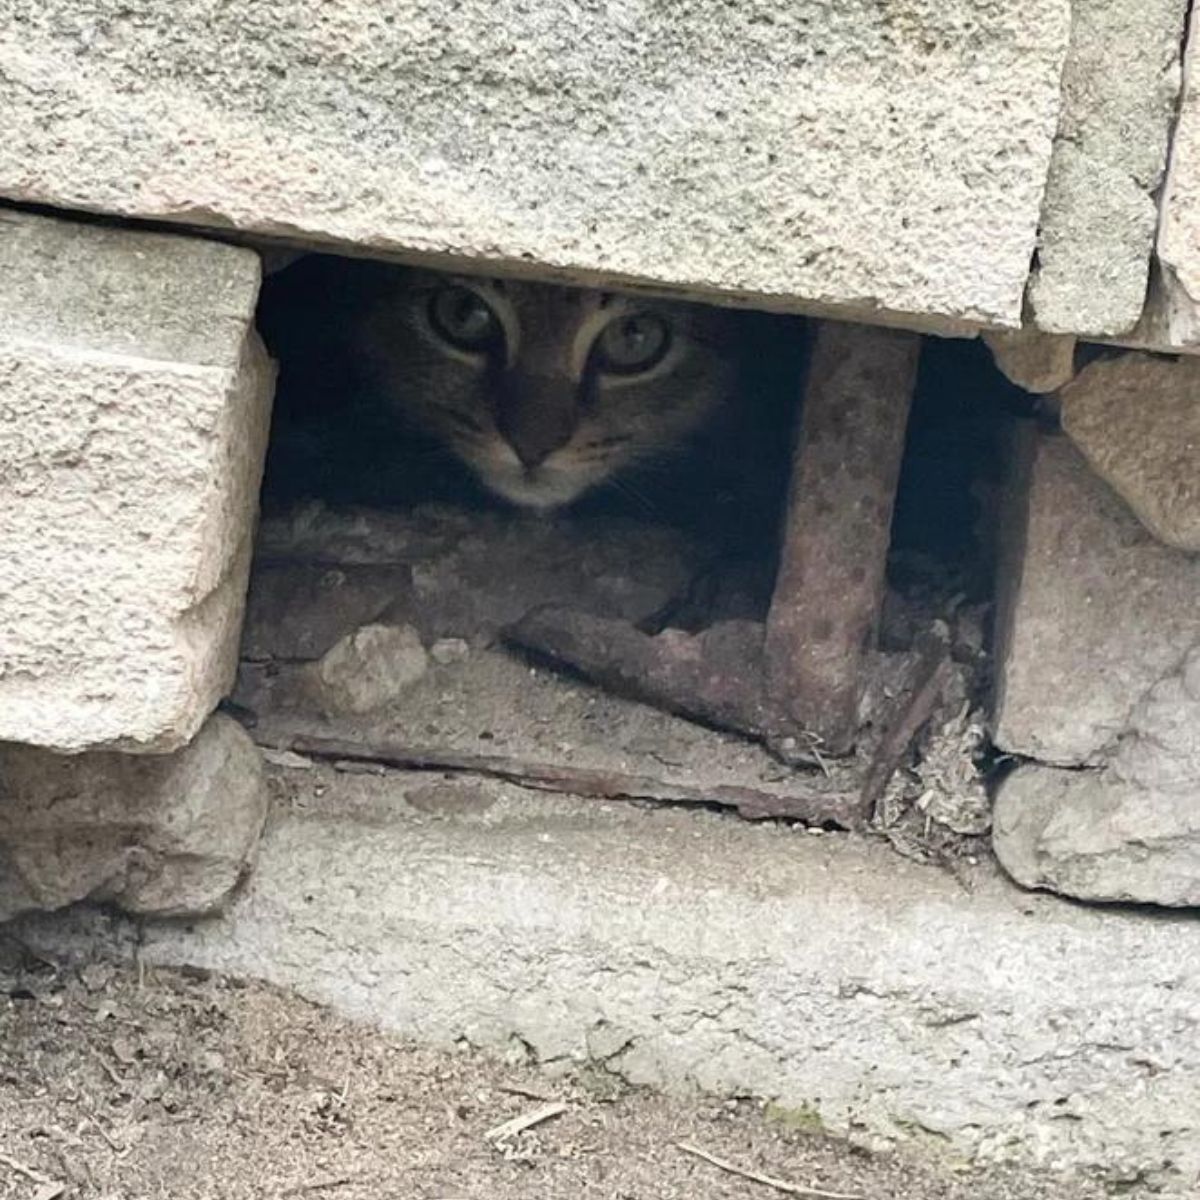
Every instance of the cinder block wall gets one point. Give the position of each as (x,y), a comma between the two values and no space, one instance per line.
(893,161)
(1026,168)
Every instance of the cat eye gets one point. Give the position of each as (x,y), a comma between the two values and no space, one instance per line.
(463,318)
(631,343)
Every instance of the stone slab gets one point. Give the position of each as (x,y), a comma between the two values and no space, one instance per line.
(1137,420)
(1093,612)
(164,833)
(870,158)
(1120,85)
(1129,832)
(1173,311)
(134,405)
(682,950)
(1091,837)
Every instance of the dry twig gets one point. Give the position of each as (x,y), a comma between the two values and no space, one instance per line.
(515,1089)
(49,1189)
(510,1129)
(21,1169)
(321,1185)
(115,1146)
(780,1185)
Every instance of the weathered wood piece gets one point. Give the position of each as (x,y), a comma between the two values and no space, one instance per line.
(920,700)
(846,466)
(714,676)
(491,714)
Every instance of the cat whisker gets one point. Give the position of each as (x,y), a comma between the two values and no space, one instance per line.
(464,422)
(619,439)
(424,453)
(639,498)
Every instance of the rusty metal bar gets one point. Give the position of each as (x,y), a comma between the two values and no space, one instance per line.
(845,468)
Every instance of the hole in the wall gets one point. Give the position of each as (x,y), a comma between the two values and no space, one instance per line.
(391,561)
(952,465)
(353,428)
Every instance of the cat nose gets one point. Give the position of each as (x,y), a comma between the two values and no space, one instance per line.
(531,454)
(537,415)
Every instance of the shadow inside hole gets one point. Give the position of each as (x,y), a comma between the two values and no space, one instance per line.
(336,438)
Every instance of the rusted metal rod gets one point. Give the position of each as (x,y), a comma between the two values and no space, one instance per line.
(845,468)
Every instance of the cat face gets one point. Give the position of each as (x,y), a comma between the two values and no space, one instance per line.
(546,391)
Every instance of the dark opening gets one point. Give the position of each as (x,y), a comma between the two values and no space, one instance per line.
(685,537)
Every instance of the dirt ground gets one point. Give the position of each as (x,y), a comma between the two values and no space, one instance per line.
(177,1085)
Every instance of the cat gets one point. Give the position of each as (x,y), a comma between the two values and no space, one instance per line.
(545,393)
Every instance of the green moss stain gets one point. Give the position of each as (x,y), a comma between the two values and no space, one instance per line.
(803,1119)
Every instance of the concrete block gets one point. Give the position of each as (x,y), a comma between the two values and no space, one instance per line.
(134,405)
(1093,612)
(169,834)
(1120,86)
(681,950)
(1173,311)
(1129,832)
(872,158)
(1137,420)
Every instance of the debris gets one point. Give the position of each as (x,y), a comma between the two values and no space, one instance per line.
(932,676)
(516,1089)
(288,760)
(369,667)
(714,676)
(33,1176)
(780,1185)
(449,650)
(510,1129)
(322,1185)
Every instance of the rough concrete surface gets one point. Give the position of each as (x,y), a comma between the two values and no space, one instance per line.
(157,833)
(1089,835)
(1093,612)
(1038,362)
(682,949)
(857,155)
(1173,311)
(117,1082)
(1120,85)
(1137,420)
(1127,832)
(134,404)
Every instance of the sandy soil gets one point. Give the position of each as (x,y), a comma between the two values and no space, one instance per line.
(176,1085)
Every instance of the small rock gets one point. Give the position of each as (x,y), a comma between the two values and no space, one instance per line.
(1128,832)
(124,1051)
(1090,835)
(449,650)
(96,976)
(288,759)
(369,667)
(1038,362)
(166,834)
(1137,420)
